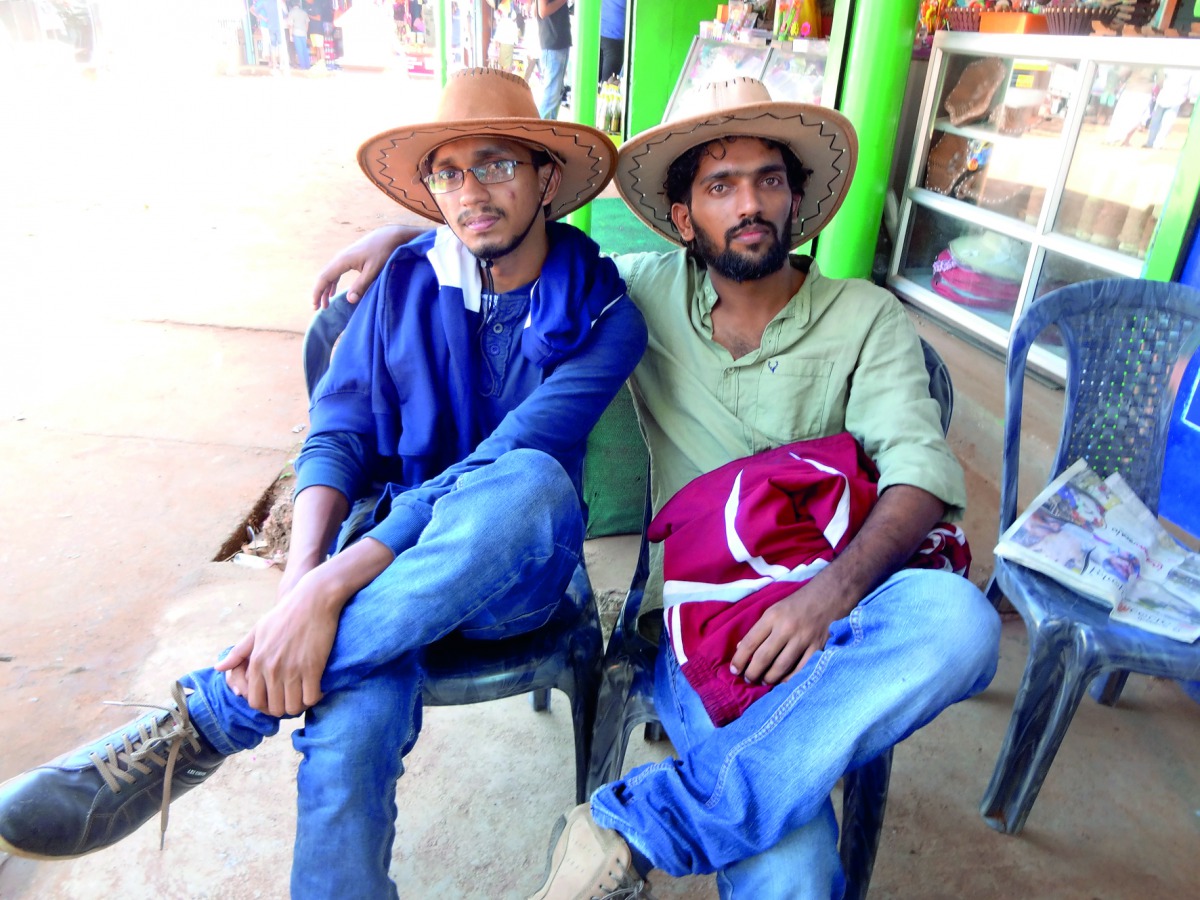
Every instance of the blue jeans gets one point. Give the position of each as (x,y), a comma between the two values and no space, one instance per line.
(554,65)
(493,562)
(303,58)
(750,801)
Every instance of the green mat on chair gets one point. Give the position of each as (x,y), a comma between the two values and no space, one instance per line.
(614,471)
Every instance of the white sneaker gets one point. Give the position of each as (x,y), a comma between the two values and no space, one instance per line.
(588,862)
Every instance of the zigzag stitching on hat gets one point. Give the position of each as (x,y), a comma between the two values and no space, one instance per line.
(837,172)
(718,122)
(383,173)
(473,130)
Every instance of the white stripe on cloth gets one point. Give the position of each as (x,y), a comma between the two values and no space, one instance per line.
(676,592)
(836,529)
(736,546)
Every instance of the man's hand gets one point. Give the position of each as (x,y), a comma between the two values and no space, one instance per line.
(786,636)
(278,666)
(790,632)
(366,256)
(236,677)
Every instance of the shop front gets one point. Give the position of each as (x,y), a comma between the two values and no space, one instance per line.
(1040,160)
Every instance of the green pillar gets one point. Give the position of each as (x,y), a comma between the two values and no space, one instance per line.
(443,40)
(586,63)
(878,55)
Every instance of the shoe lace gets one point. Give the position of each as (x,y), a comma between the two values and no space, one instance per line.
(639,890)
(119,763)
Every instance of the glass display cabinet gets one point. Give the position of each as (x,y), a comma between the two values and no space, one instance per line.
(1041,161)
(791,70)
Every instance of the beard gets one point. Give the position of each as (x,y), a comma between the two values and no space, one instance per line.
(736,265)
(490,249)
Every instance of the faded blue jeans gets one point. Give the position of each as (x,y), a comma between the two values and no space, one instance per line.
(493,562)
(750,801)
(303,55)
(554,62)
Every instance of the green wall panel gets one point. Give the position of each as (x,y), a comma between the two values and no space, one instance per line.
(661,37)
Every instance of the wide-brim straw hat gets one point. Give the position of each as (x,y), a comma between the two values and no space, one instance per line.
(488,103)
(822,139)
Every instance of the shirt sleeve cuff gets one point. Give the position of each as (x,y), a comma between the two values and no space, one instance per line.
(325,473)
(930,470)
(402,526)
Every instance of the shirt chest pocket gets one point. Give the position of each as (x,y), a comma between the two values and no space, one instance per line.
(793,395)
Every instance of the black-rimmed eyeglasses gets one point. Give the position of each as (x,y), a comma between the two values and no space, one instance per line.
(498,171)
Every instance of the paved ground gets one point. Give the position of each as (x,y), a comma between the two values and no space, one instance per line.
(159,237)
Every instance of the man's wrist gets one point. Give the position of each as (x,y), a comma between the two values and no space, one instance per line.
(301,560)
(339,578)
(829,592)
(326,589)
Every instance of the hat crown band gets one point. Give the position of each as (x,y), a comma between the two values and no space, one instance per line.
(717,97)
(486,94)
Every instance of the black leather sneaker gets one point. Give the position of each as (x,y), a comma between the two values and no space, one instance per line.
(104,791)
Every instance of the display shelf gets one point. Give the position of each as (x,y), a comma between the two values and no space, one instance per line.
(1100,258)
(1039,161)
(974,215)
(987,133)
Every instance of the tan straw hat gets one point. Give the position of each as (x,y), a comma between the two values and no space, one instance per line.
(822,139)
(482,103)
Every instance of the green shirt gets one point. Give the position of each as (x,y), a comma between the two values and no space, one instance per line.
(841,356)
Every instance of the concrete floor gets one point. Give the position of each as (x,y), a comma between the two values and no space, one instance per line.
(161,239)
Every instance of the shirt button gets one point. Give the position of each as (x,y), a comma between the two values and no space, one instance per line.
(494,350)
(498,328)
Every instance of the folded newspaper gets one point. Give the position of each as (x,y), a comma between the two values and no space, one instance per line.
(1097,537)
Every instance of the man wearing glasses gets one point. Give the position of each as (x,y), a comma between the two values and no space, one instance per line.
(444,457)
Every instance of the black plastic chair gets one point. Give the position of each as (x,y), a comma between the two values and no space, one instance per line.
(627,700)
(1126,342)
(564,655)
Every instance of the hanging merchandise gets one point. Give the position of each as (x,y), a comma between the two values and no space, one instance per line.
(934,14)
(797,19)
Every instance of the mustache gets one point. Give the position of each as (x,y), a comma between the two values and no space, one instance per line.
(751,222)
(464,217)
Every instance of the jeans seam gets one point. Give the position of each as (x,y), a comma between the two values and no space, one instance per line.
(782,711)
(410,740)
(675,673)
(515,576)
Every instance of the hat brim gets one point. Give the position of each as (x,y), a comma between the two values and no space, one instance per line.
(586,156)
(822,139)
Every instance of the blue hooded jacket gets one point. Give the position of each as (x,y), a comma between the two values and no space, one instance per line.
(400,406)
